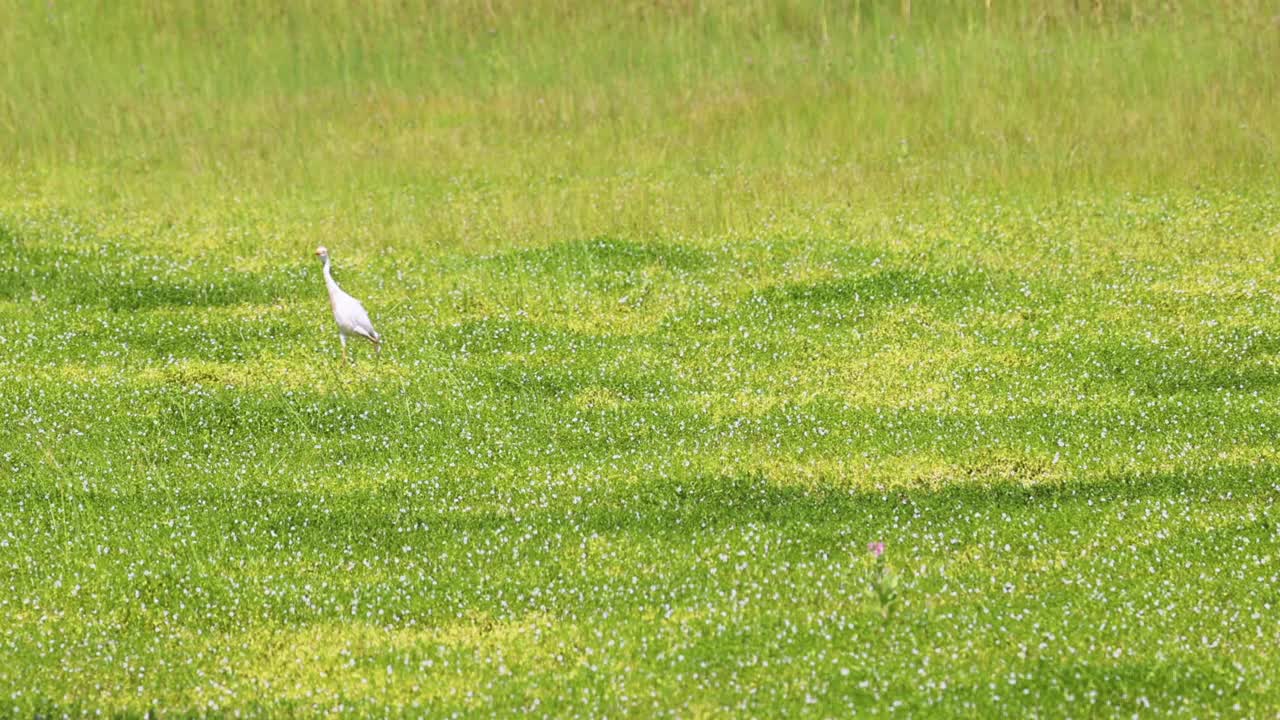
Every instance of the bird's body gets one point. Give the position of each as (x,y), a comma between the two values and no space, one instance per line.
(348,313)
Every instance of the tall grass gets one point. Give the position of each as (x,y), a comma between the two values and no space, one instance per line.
(478,121)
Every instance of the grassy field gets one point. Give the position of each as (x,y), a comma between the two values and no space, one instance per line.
(685,305)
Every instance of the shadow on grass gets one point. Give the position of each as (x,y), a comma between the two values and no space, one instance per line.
(667,509)
(1175,366)
(598,257)
(842,300)
(1122,687)
(111,276)
(474,540)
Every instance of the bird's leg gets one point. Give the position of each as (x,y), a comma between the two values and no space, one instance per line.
(343,338)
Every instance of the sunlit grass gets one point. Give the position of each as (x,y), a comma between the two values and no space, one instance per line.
(684,305)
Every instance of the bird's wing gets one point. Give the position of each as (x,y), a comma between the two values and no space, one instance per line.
(365,327)
(351,317)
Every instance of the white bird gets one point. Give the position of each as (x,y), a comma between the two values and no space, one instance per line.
(347,311)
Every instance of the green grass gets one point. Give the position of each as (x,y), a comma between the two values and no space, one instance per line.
(685,304)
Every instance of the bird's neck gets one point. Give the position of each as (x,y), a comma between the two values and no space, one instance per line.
(329,282)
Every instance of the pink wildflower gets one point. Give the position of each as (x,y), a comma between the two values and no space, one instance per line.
(876,548)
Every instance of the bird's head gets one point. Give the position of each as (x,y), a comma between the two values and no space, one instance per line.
(322,252)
